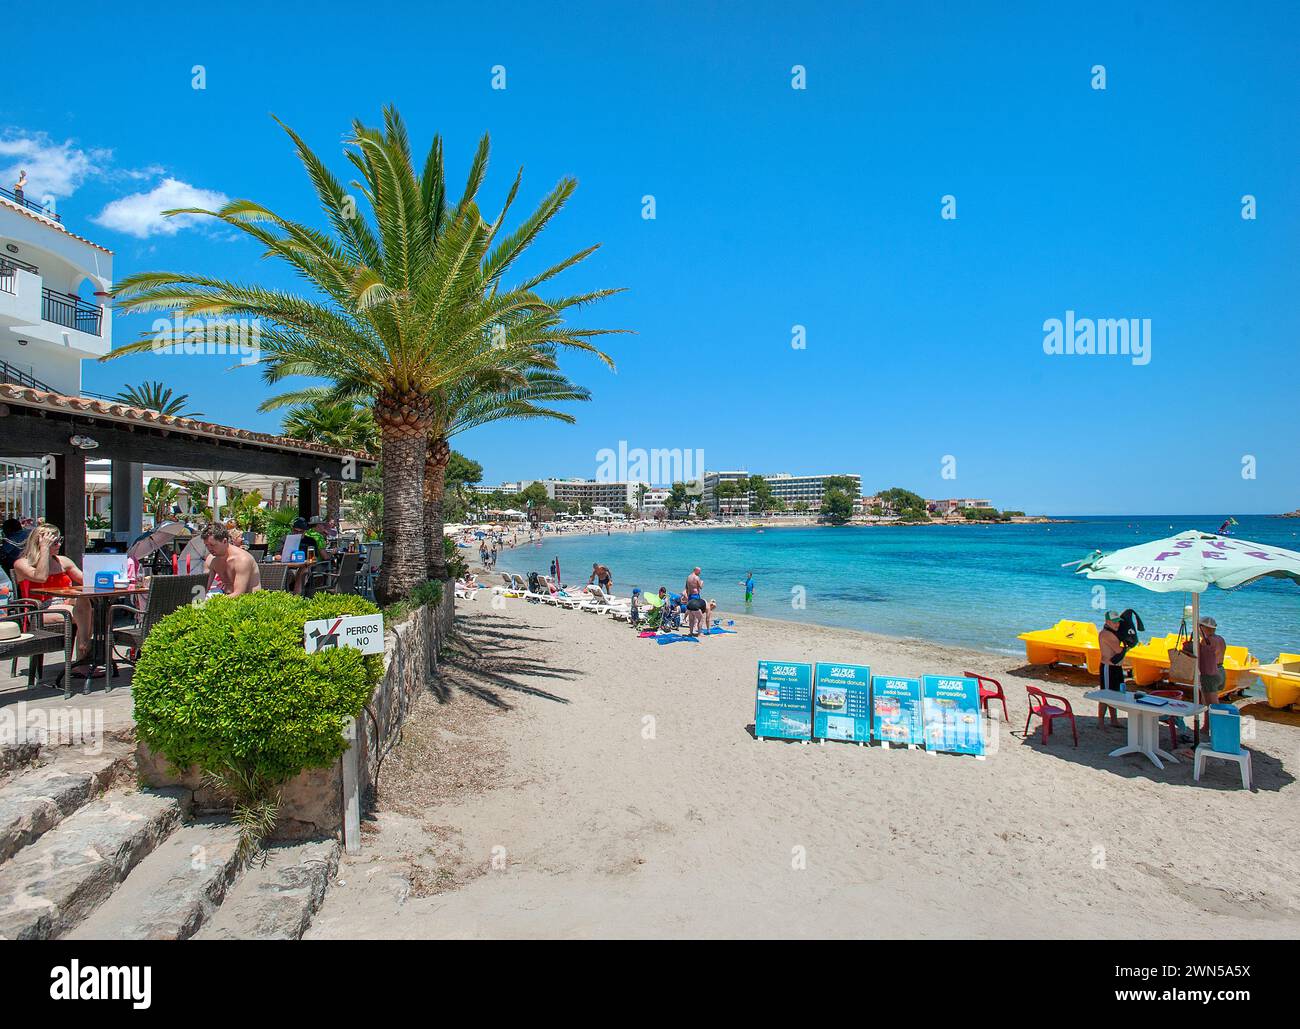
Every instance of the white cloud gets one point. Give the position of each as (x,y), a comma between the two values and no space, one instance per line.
(140,214)
(54,169)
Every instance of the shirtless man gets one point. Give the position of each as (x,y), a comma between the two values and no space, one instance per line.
(695,610)
(234,566)
(601,574)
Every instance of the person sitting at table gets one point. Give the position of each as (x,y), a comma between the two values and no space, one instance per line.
(41,566)
(1112,669)
(231,569)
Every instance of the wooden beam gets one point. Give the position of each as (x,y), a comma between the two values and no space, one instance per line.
(65,501)
(39,433)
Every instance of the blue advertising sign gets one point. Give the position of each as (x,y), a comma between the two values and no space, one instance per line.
(842,703)
(783,705)
(896,710)
(952,714)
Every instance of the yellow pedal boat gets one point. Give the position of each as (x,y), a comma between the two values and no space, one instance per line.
(1150,663)
(1066,643)
(1282,680)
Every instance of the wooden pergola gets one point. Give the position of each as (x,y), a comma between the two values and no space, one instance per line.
(61,431)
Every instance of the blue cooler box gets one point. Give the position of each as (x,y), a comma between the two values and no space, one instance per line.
(1225,728)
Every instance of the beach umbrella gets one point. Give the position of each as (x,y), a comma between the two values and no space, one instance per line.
(155,539)
(1192,562)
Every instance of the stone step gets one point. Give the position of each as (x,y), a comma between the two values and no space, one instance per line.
(173,891)
(16,754)
(36,800)
(276,901)
(50,886)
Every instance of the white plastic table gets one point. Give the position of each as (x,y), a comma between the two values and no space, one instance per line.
(1144,722)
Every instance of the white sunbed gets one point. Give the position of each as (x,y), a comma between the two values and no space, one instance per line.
(616,607)
(562,598)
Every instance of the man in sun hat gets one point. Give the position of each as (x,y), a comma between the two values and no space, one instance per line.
(1111,674)
(1209,659)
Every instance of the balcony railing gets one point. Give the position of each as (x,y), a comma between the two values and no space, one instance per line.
(18,197)
(8,266)
(11,374)
(71,312)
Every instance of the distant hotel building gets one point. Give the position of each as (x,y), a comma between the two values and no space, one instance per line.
(787,488)
(944,508)
(613,496)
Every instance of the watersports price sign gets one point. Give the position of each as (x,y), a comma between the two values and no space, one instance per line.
(783,704)
(952,715)
(359,632)
(896,710)
(842,703)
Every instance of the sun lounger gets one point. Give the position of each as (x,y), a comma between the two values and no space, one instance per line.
(1066,643)
(572,601)
(1281,680)
(602,603)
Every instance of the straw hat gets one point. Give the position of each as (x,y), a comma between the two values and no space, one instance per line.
(10,632)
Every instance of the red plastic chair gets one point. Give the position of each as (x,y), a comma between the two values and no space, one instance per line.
(990,689)
(1038,705)
(1171,720)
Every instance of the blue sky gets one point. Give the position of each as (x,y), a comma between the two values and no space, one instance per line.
(776,207)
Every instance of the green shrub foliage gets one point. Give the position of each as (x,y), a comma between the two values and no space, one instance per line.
(227,686)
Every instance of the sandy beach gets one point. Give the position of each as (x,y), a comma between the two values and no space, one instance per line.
(571,780)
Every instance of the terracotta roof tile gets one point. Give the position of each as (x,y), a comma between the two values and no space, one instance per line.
(46,220)
(121,412)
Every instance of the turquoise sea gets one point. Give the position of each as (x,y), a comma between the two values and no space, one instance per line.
(976,585)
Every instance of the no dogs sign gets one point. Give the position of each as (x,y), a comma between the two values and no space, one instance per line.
(360,632)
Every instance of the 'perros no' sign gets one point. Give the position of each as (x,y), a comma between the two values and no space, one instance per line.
(360,632)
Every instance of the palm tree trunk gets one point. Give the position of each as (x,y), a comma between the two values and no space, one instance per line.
(437,454)
(404,424)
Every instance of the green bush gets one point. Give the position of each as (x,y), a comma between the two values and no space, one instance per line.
(227,686)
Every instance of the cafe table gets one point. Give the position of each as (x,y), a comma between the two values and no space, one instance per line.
(1144,721)
(99,599)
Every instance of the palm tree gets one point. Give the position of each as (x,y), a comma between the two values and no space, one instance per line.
(343,426)
(160,497)
(517,391)
(410,302)
(154,396)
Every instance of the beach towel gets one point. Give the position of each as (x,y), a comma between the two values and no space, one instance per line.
(673,638)
(716,630)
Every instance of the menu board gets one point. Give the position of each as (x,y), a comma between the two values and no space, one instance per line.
(896,710)
(842,703)
(783,704)
(952,714)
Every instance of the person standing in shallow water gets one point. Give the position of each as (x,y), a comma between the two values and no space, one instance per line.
(749,587)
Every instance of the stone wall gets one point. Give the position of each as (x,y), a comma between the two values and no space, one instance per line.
(313,802)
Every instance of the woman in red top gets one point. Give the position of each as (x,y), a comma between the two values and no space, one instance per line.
(41,566)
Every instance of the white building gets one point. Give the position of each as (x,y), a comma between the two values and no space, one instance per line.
(53,315)
(791,490)
(612,495)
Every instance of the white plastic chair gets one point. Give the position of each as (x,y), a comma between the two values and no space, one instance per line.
(1242,758)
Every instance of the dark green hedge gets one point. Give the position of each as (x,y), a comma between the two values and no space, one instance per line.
(227,685)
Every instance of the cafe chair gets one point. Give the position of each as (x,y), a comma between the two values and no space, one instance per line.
(35,640)
(1039,705)
(166,594)
(990,689)
(273,574)
(345,579)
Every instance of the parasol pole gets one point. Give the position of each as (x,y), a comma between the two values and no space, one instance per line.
(1196,655)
